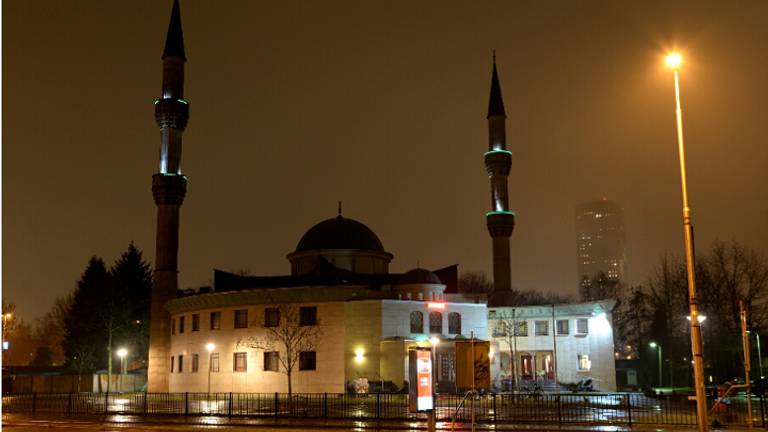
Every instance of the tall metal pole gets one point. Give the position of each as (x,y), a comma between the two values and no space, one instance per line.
(554,347)
(759,355)
(661,370)
(745,345)
(698,359)
(514,354)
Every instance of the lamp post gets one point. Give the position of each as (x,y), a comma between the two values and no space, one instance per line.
(6,317)
(122,352)
(674,60)
(658,349)
(210,347)
(431,421)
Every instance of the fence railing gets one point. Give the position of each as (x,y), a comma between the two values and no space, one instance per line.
(592,408)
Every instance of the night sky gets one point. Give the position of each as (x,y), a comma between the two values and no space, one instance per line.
(297,105)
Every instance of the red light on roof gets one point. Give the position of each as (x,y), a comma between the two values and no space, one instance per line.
(435,305)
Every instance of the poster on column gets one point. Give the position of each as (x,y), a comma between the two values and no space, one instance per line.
(420,379)
(471,360)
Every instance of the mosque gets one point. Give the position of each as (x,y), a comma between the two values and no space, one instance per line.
(340,319)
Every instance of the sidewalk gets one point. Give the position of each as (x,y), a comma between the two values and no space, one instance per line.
(179,423)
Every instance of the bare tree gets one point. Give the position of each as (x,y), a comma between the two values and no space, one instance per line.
(508,326)
(288,336)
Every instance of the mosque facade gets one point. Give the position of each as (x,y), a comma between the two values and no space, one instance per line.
(340,321)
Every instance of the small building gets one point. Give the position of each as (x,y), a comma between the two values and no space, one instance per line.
(553,344)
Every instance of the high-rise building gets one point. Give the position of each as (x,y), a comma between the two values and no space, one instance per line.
(600,240)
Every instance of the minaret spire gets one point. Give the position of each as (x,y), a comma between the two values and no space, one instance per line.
(168,188)
(500,221)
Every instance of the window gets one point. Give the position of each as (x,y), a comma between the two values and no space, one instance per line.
(173,326)
(436,322)
(181,363)
(584,363)
(195,363)
(454,323)
(172,363)
(541,328)
(417,322)
(521,328)
(241,318)
(271,317)
(272,361)
(500,329)
(215,320)
(214,362)
(307,360)
(582,326)
(240,362)
(307,316)
(562,328)
(181,324)
(195,322)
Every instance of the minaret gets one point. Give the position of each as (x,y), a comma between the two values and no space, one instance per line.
(168,189)
(500,221)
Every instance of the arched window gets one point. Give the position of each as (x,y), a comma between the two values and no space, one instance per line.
(436,323)
(454,323)
(417,322)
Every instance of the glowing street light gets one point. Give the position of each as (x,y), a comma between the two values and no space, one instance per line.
(210,346)
(701,318)
(122,352)
(658,346)
(674,61)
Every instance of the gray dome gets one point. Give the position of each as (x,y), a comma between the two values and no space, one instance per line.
(339,233)
(419,276)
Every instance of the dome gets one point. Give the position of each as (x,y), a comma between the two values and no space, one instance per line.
(419,276)
(339,233)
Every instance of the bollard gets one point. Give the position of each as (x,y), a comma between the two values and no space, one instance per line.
(229,406)
(325,405)
(494,409)
(629,409)
(378,406)
(69,403)
(146,396)
(277,403)
(106,403)
(34,402)
(186,404)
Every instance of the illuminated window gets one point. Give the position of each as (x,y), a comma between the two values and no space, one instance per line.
(271,317)
(584,363)
(500,329)
(582,326)
(215,320)
(307,360)
(454,323)
(435,322)
(271,361)
(240,362)
(541,328)
(195,322)
(562,328)
(195,363)
(417,322)
(241,318)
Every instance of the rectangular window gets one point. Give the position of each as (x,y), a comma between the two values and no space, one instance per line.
(500,329)
(215,320)
(562,328)
(241,318)
(181,363)
(195,363)
(173,326)
(307,316)
(271,317)
(522,328)
(214,362)
(181,324)
(307,360)
(272,361)
(240,362)
(195,322)
(541,328)
(582,326)
(172,358)
(584,363)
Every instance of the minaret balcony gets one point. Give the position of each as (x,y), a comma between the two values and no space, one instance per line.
(171,113)
(500,223)
(498,162)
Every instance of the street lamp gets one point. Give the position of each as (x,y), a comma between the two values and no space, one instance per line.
(674,61)
(701,318)
(210,346)
(122,352)
(658,347)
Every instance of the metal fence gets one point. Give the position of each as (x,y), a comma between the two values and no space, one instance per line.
(588,408)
